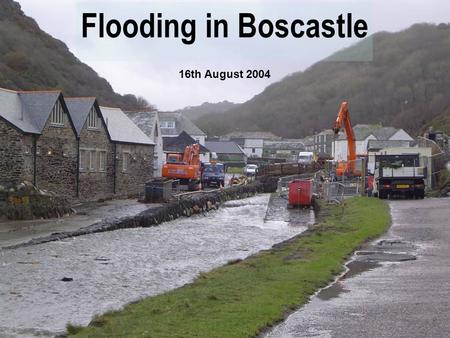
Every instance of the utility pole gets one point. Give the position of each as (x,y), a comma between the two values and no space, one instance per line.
(363,176)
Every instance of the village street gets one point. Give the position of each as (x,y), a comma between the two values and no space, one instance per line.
(391,299)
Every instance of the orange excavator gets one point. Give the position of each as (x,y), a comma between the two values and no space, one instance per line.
(343,120)
(185,167)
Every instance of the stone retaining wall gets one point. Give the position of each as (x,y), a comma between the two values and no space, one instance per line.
(26,202)
(186,206)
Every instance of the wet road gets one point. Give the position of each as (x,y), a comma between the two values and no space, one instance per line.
(394,299)
(113,268)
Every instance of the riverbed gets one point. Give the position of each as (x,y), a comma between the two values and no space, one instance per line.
(108,270)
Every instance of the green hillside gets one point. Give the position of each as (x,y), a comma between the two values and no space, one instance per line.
(32,59)
(406,85)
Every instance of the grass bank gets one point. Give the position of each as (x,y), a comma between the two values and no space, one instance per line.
(244,297)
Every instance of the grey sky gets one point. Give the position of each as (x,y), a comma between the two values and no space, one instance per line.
(149,67)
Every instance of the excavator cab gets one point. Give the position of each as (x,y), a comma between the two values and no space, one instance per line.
(174,158)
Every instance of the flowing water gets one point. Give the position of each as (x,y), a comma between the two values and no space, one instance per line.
(114,268)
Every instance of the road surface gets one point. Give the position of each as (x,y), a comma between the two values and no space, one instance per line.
(394,299)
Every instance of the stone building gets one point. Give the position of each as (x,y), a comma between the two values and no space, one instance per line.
(132,153)
(38,141)
(148,122)
(71,146)
(95,150)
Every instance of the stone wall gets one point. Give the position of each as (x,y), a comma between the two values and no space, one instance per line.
(134,167)
(25,201)
(96,183)
(12,159)
(56,162)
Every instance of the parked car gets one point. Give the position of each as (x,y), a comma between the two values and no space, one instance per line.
(251,170)
(213,174)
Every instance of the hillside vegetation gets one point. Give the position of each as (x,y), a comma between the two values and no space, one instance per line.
(406,85)
(196,112)
(32,59)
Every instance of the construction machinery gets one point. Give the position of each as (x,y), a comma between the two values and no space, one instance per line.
(343,121)
(185,167)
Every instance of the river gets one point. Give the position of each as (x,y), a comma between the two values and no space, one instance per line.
(114,268)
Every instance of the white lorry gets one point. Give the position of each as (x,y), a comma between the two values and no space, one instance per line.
(399,175)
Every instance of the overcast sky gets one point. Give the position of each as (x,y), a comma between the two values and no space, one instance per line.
(150,67)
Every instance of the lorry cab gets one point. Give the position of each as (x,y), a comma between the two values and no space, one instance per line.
(213,174)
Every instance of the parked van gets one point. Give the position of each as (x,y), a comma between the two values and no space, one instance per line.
(305,157)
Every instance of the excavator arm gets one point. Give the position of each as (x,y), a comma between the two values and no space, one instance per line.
(343,120)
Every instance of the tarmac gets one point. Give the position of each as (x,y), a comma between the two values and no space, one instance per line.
(398,286)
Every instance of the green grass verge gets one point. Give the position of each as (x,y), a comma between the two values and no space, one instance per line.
(235,170)
(244,297)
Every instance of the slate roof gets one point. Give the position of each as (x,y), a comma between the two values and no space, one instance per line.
(178,144)
(79,108)
(121,128)
(381,144)
(182,123)
(252,135)
(27,111)
(224,147)
(145,121)
(362,131)
(284,145)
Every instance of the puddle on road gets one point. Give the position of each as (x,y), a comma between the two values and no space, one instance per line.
(365,260)
(355,268)
(104,271)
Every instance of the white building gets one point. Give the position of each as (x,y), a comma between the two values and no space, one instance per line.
(363,134)
(252,142)
(174,123)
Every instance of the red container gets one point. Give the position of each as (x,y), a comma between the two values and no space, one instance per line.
(300,192)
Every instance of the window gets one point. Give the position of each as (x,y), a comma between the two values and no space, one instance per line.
(167,124)
(92,122)
(92,158)
(125,157)
(83,162)
(57,115)
(102,161)
(253,150)
(27,149)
